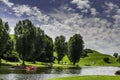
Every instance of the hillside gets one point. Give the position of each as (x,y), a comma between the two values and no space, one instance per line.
(97,59)
(94,59)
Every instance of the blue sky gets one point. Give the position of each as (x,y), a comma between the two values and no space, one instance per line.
(98,21)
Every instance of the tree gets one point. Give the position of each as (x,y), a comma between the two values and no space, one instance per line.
(60,47)
(75,48)
(115,55)
(47,53)
(38,44)
(24,32)
(8,52)
(106,59)
(118,59)
(48,49)
(4,37)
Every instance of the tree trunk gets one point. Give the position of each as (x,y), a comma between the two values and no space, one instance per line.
(74,63)
(58,62)
(0,61)
(23,61)
(34,62)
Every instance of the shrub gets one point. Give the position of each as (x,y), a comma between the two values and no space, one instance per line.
(117,72)
(107,60)
(11,58)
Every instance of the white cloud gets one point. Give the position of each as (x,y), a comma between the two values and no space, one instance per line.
(93,11)
(32,13)
(110,7)
(22,9)
(8,3)
(82,4)
(97,33)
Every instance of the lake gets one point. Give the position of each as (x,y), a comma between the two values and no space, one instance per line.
(45,73)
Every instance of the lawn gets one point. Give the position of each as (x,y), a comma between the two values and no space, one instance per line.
(93,59)
(88,78)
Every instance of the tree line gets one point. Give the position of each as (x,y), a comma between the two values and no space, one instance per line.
(30,43)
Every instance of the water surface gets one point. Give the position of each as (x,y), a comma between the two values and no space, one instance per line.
(45,73)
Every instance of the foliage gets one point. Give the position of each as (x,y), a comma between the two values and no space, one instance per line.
(4,38)
(115,55)
(88,51)
(60,47)
(107,60)
(117,72)
(24,32)
(118,59)
(47,55)
(75,48)
(38,43)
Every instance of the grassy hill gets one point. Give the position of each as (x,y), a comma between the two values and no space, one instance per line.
(97,59)
(93,59)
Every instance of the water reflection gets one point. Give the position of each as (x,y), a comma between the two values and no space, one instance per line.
(44,73)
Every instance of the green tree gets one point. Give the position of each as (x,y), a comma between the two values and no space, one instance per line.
(115,55)
(60,47)
(4,37)
(24,32)
(75,48)
(38,44)
(48,48)
(118,59)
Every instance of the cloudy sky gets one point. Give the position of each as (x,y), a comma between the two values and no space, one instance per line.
(98,21)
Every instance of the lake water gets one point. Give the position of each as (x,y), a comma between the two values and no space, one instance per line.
(45,73)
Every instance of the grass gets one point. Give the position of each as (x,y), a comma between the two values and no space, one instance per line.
(88,78)
(97,59)
(93,59)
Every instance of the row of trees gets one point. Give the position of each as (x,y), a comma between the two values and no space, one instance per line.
(31,43)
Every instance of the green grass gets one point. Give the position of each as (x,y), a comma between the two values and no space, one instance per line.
(88,78)
(96,59)
(12,36)
(93,59)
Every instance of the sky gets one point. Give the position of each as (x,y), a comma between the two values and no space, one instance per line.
(97,21)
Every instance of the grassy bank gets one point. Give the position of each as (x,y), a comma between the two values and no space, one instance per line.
(88,78)
(93,59)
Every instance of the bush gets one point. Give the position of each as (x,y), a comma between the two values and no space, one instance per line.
(88,51)
(10,57)
(107,60)
(117,72)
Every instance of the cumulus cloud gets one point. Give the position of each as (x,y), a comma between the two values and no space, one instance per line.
(81,3)
(98,33)
(93,11)
(22,9)
(8,3)
(84,6)
(110,7)
(33,13)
